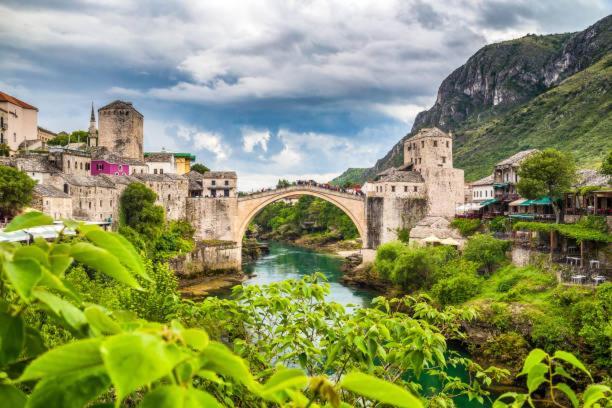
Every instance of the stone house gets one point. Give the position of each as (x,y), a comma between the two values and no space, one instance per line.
(213,184)
(70,161)
(18,122)
(52,201)
(34,165)
(44,135)
(172,190)
(166,162)
(482,189)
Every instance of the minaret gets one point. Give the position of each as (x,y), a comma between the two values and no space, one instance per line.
(93,132)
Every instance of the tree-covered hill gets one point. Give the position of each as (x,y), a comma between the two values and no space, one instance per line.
(534,91)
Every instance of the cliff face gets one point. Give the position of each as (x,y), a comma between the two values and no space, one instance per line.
(501,77)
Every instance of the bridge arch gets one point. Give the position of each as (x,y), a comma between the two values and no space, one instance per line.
(352,205)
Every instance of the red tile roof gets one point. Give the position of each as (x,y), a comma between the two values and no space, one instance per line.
(4,97)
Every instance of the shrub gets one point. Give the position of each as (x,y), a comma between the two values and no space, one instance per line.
(386,254)
(486,251)
(499,224)
(466,226)
(550,331)
(403,234)
(413,269)
(501,316)
(138,210)
(457,289)
(506,347)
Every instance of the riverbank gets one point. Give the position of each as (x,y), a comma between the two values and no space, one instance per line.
(200,287)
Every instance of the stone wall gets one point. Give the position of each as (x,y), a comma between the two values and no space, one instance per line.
(212,218)
(444,190)
(171,193)
(374,220)
(121,131)
(206,259)
(57,207)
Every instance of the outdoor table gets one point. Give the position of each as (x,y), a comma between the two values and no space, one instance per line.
(578,278)
(599,279)
(573,260)
(593,263)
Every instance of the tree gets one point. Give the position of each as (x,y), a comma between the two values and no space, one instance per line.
(282,183)
(486,251)
(4,150)
(547,173)
(138,211)
(606,165)
(63,138)
(15,190)
(200,168)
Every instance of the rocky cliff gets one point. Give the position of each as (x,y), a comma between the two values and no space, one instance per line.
(499,79)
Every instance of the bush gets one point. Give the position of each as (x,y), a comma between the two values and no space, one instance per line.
(138,211)
(486,251)
(457,289)
(499,224)
(413,269)
(466,226)
(386,255)
(506,347)
(550,331)
(15,190)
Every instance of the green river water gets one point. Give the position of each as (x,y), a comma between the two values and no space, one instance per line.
(288,262)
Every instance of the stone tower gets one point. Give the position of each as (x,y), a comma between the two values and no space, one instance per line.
(430,153)
(92,135)
(121,129)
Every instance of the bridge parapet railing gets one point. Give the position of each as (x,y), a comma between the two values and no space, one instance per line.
(297,188)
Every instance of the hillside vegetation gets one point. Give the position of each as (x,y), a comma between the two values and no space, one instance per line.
(575,116)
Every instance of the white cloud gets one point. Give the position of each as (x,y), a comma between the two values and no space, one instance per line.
(402,112)
(252,138)
(213,143)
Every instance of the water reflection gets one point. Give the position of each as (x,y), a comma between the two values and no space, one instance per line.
(291,262)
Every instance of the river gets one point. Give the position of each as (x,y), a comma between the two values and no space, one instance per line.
(288,262)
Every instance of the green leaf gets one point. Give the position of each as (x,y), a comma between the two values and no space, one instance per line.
(282,380)
(12,397)
(73,316)
(59,264)
(23,274)
(195,338)
(569,392)
(536,377)
(137,359)
(173,396)
(379,390)
(218,358)
(31,252)
(100,321)
(571,359)
(68,359)
(34,344)
(28,220)
(70,391)
(534,357)
(12,337)
(121,248)
(102,261)
(594,393)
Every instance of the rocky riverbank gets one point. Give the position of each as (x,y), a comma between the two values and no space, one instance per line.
(200,287)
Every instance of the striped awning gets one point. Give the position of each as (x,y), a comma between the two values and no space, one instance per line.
(517,202)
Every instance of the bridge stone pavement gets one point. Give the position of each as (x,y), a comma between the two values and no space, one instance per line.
(250,205)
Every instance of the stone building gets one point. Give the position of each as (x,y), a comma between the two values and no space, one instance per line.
(482,189)
(213,184)
(166,162)
(120,129)
(172,191)
(18,121)
(44,135)
(108,163)
(70,161)
(36,166)
(52,201)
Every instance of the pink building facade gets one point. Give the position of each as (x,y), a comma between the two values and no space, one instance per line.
(104,167)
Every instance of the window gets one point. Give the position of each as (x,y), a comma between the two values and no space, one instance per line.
(14,137)
(422,143)
(416,189)
(89,205)
(443,159)
(154,171)
(120,167)
(81,165)
(435,143)
(226,192)
(447,144)
(405,189)
(68,164)
(214,182)
(66,188)
(111,203)
(87,166)
(161,171)
(393,189)
(414,145)
(419,160)
(168,197)
(227,182)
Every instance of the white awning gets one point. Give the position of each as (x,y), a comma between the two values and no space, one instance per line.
(468,207)
(517,202)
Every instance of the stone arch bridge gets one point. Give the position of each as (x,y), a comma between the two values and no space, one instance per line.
(250,205)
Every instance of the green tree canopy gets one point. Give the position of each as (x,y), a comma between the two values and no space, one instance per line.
(139,212)
(15,190)
(200,168)
(606,166)
(282,183)
(63,138)
(547,173)
(486,251)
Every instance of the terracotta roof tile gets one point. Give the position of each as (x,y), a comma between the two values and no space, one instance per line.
(4,97)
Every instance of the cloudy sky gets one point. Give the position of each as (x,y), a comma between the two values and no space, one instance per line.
(274,88)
